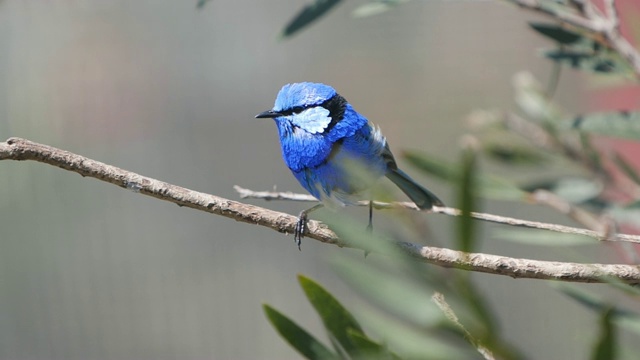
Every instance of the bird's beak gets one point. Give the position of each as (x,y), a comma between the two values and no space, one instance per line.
(268,114)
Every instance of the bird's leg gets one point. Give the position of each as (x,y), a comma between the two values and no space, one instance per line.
(370,226)
(301,226)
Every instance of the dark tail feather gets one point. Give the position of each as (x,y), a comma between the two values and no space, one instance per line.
(423,198)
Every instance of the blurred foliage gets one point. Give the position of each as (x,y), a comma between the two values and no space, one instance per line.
(581,50)
(308,15)
(540,136)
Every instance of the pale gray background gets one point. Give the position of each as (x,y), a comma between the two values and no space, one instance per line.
(91,271)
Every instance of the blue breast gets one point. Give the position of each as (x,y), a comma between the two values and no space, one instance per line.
(323,163)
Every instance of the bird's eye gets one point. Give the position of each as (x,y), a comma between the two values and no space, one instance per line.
(297,110)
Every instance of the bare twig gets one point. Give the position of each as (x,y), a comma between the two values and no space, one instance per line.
(504,220)
(21,149)
(591,19)
(581,216)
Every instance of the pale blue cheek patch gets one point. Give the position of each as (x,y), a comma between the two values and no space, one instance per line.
(313,120)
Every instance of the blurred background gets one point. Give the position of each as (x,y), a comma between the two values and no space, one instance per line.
(90,271)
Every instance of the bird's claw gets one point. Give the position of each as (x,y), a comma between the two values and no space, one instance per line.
(301,228)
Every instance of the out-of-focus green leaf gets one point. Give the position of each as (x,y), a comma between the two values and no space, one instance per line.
(581,52)
(376,7)
(488,186)
(370,349)
(626,168)
(577,190)
(602,61)
(335,317)
(616,124)
(201,3)
(513,154)
(605,348)
(594,302)
(556,32)
(534,102)
(592,153)
(405,298)
(416,343)
(467,199)
(307,15)
(542,238)
(297,337)
(629,214)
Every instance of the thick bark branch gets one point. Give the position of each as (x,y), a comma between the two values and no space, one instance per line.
(21,149)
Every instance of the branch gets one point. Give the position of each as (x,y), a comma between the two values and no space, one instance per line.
(591,19)
(21,149)
(504,220)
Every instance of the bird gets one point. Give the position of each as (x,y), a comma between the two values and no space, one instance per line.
(334,152)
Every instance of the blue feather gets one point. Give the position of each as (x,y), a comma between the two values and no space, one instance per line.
(323,139)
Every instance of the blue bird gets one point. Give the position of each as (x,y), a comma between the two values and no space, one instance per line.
(333,151)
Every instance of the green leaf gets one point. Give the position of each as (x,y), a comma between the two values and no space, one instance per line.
(369,348)
(556,32)
(629,214)
(403,297)
(297,337)
(541,238)
(336,318)
(590,151)
(626,168)
(594,302)
(577,190)
(414,342)
(307,15)
(605,348)
(488,186)
(602,61)
(513,154)
(619,124)
(466,199)
(376,8)
(201,3)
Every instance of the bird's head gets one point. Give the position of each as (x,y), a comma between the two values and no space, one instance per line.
(313,107)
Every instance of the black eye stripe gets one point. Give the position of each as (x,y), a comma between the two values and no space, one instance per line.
(336,106)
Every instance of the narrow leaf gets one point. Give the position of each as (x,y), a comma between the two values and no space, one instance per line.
(513,154)
(407,299)
(466,200)
(577,190)
(595,303)
(616,124)
(415,342)
(605,348)
(201,4)
(307,15)
(297,337)
(603,62)
(369,348)
(488,186)
(336,318)
(626,168)
(555,32)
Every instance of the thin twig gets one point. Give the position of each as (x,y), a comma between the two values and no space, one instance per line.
(21,149)
(579,215)
(505,220)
